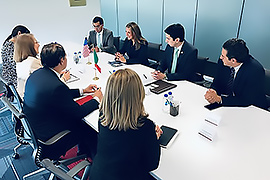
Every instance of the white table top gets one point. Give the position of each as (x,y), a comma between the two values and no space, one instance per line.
(241,146)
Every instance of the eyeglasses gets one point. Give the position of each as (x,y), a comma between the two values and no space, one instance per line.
(98,26)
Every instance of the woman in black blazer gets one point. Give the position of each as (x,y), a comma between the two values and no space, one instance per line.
(128,145)
(134,50)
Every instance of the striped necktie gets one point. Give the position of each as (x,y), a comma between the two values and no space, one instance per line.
(230,82)
(175,57)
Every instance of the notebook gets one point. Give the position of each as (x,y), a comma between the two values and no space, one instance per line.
(84,99)
(169,134)
(160,86)
(72,78)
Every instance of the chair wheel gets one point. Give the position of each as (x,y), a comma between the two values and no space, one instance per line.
(16,156)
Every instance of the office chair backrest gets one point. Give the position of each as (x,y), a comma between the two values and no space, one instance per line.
(267,87)
(7,92)
(16,96)
(267,82)
(49,164)
(210,68)
(116,42)
(22,118)
(154,52)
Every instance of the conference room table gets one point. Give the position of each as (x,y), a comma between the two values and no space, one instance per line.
(240,148)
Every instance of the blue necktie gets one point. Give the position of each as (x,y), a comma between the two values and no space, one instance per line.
(99,40)
(175,56)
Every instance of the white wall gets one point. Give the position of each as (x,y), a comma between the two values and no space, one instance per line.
(49,20)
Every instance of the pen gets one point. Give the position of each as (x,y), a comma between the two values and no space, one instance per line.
(144,76)
(210,122)
(64,72)
(205,136)
(110,72)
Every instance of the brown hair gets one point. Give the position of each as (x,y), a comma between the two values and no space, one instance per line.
(24,47)
(137,35)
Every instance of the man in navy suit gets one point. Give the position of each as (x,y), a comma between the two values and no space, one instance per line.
(101,39)
(180,57)
(50,108)
(240,78)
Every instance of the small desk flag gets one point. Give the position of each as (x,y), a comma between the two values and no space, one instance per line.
(96,61)
(86,50)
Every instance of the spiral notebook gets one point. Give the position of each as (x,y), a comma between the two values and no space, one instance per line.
(160,86)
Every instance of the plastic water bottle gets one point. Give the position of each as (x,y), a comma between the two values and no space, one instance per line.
(170,97)
(166,105)
(75,57)
(79,56)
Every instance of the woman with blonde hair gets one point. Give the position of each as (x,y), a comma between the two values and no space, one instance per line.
(128,146)
(134,50)
(26,49)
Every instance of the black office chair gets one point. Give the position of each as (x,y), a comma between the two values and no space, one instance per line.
(267,87)
(56,167)
(4,91)
(200,70)
(116,42)
(11,93)
(154,54)
(210,70)
(22,137)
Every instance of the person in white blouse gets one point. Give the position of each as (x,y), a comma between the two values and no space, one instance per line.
(26,50)
(25,55)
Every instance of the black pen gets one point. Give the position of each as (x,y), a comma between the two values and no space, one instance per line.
(144,76)
(210,122)
(65,72)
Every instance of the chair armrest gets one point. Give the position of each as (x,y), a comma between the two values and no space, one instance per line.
(48,164)
(55,138)
(75,170)
(69,161)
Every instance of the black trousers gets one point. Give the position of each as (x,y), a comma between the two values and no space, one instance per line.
(82,135)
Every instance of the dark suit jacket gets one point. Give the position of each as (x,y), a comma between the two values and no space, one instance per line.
(123,155)
(49,105)
(107,40)
(185,68)
(248,85)
(135,56)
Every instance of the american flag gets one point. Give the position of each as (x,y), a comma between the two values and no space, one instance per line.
(86,50)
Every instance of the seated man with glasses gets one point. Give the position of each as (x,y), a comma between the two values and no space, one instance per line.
(101,39)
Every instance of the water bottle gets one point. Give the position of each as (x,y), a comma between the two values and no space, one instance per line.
(170,97)
(75,57)
(79,56)
(166,106)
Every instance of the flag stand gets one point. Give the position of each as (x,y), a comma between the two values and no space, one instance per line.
(88,61)
(95,78)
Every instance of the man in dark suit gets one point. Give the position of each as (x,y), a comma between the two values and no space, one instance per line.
(50,108)
(180,56)
(240,78)
(101,39)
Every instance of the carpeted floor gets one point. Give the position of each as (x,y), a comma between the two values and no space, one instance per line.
(12,169)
